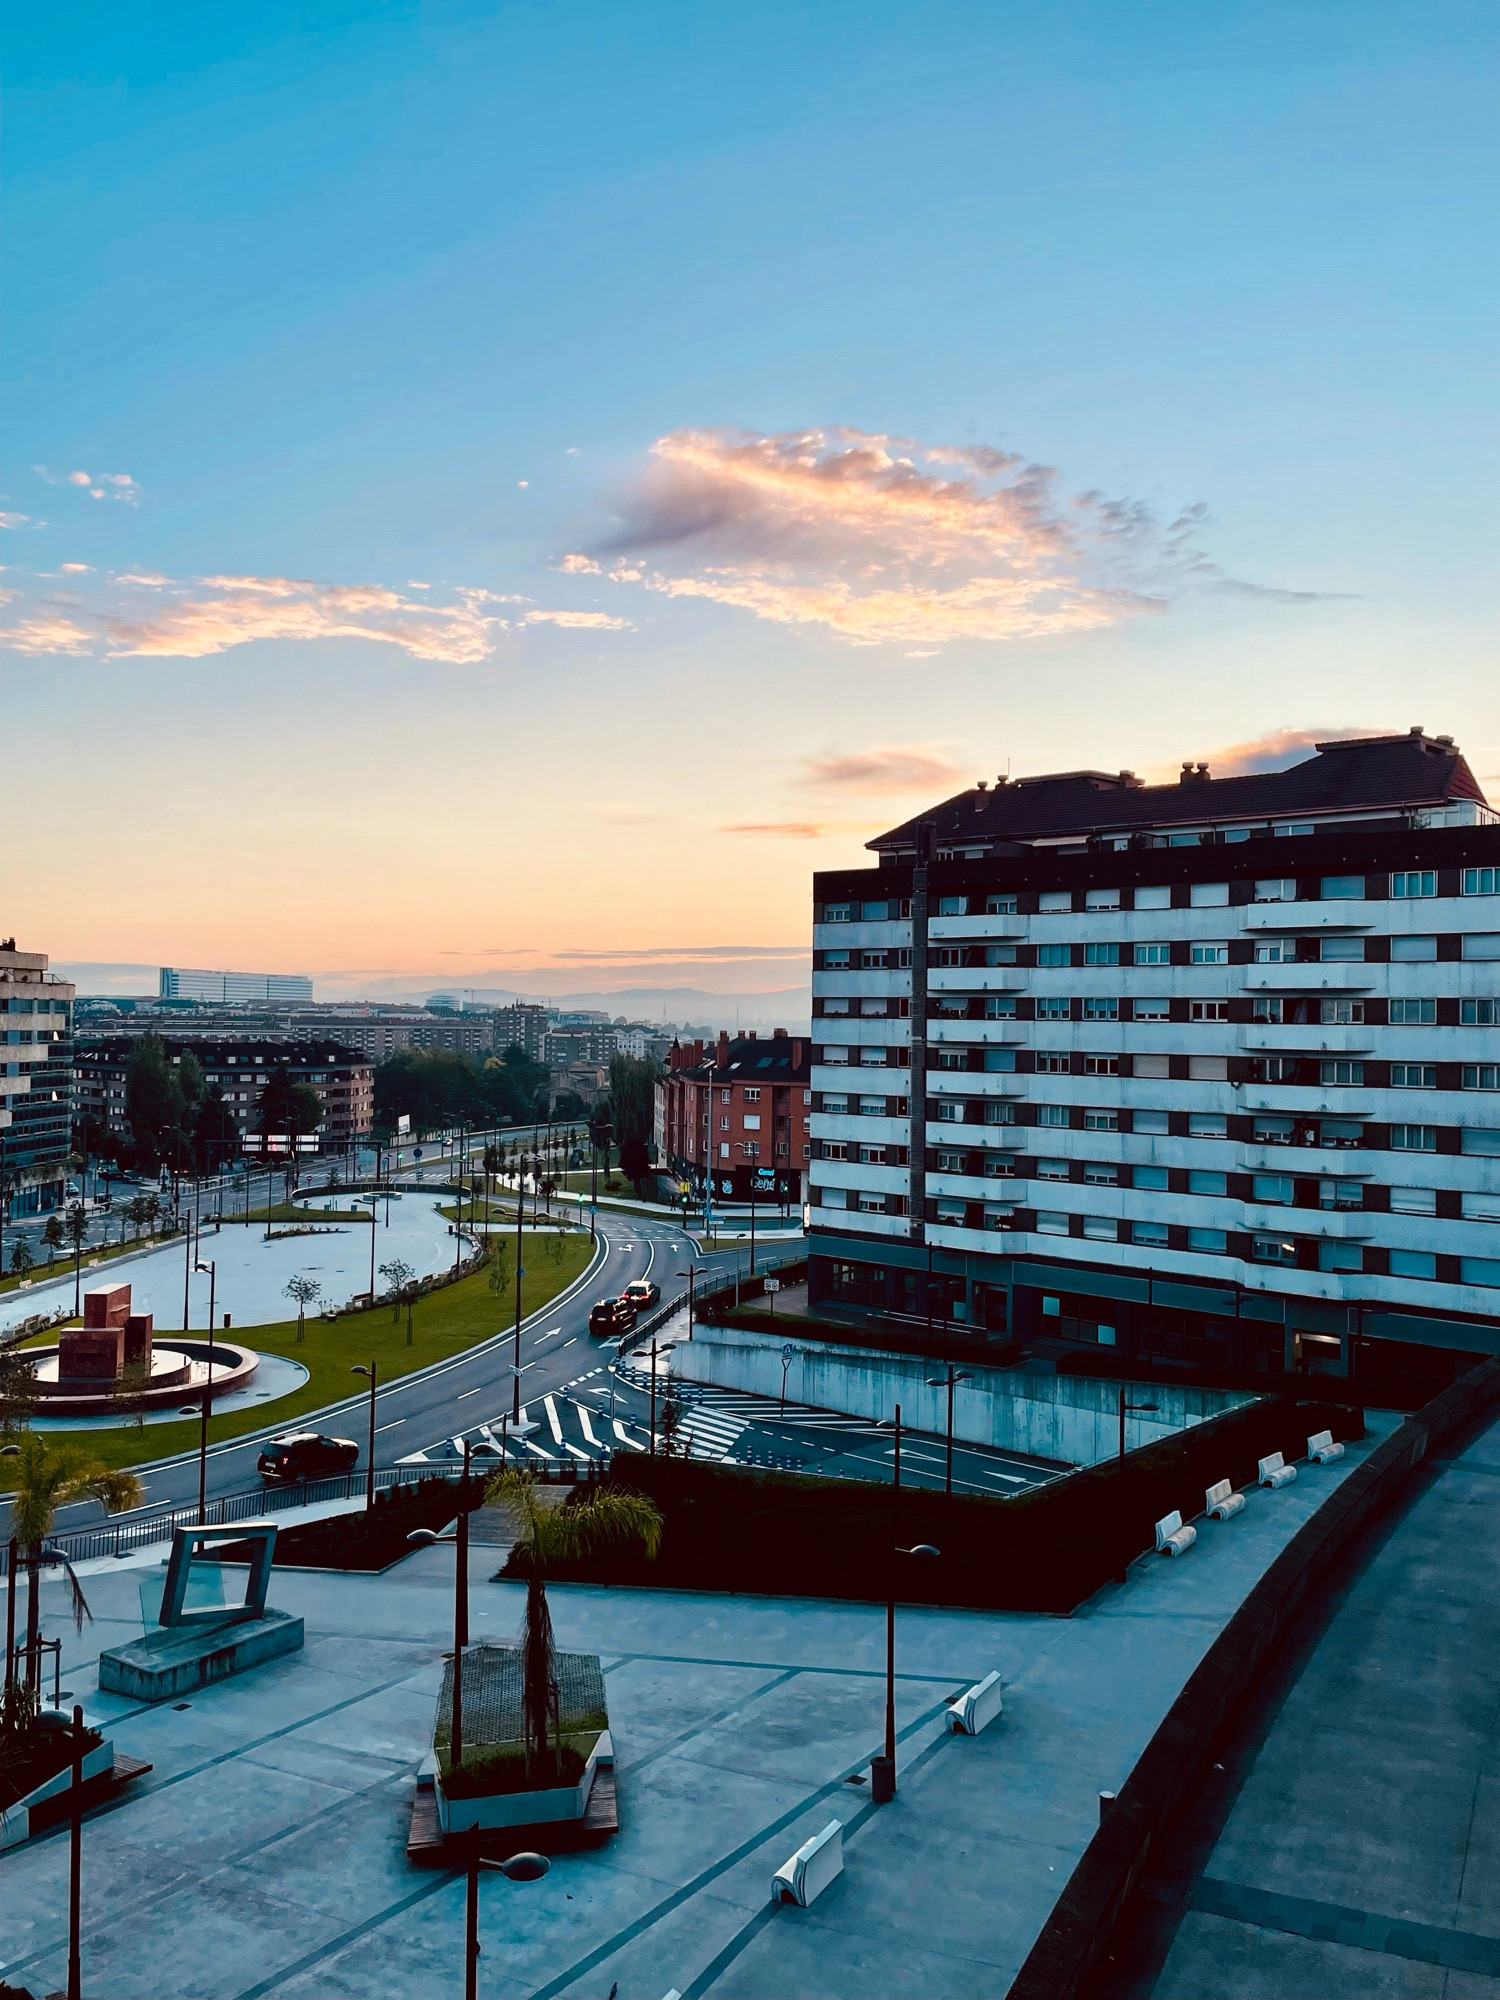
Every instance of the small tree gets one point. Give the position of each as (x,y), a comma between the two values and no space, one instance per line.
(21,1260)
(304,1291)
(670,1423)
(54,1236)
(398,1274)
(500,1269)
(18,1397)
(50,1476)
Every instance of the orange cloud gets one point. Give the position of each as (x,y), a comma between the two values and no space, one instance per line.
(778,829)
(1279,748)
(884,768)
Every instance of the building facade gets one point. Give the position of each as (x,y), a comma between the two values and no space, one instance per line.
(594,1043)
(523,1026)
(343,1078)
(232,988)
(36,1082)
(738,1112)
(1206,1073)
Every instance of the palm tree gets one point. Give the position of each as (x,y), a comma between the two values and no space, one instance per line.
(607,1523)
(50,1476)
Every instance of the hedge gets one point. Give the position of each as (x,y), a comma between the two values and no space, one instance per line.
(730,1528)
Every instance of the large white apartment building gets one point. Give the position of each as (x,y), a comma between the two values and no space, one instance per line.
(1208,1073)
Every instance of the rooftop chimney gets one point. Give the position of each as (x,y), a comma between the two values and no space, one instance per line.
(721,1060)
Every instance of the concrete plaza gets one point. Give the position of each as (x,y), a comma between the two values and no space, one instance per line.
(265,1853)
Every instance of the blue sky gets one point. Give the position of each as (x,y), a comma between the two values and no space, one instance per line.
(327,285)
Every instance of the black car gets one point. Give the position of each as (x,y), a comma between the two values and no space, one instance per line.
(303,1455)
(640,1293)
(611,1316)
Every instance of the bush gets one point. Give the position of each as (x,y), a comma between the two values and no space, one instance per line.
(733,1529)
(370,1539)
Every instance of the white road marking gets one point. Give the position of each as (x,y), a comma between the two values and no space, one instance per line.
(552,1420)
(587,1428)
(550,1456)
(380,1429)
(466,1394)
(578,1454)
(549,1333)
(623,1436)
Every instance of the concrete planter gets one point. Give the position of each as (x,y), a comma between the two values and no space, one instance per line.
(502,1809)
(15,1821)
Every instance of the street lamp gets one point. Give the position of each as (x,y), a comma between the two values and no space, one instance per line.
(1130,1408)
(428,1538)
(883,1769)
(693,1270)
(938,1382)
(372,1372)
(208,1391)
(519,1868)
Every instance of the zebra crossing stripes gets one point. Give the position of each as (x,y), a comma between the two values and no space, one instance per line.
(711,1434)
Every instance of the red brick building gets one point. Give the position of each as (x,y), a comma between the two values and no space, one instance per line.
(740,1109)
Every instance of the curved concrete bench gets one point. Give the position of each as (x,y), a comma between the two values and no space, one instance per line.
(1274,1471)
(1222,1502)
(1322,1450)
(977,1708)
(1172,1538)
(817,1862)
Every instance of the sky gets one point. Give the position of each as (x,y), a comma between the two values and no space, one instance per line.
(496,495)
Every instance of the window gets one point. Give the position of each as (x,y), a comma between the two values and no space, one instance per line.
(1273,1187)
(1000,954)
(1290,829)
(1414,1139)
(1479,1270)
(1276,1069)
(1150,1010)
(1336,1256)
(1051,1222)
(999,1007)
(1205,1181)
(724,1150)
(1482,944)
(870,1107)
(1414,1201)
(1053,1065)
(1479,1208)
(1153,899)
(948,906)
(1052,1114)
(1002,1060)
(1101,1121)
(1341,1013)
(1340,1194)
(999,1114)
(1418,1076)
(752,1093)
(1052,1170)
(874,1204)
(1204,1125)
(952,1058)
(1209,1010)
(1477,1013)
(1000,906)
(1212,1241)
(1152,1179)
(1413,1264)
(1342,888)
(1274,1132)
(1275,951)
(1053,954)
(1000,1217)
(872,1010)
(1054,902)
(1153,954)
(1099,1173)
(834,1149)
(831,1197)
(1154,1123)
(751,1121)
(1477,1076)
(1101,1228)
(947,1210)
(876,961)
(998,1166)
(1481,881)
(1208,1069)
(835,961)
(1149,1235)
(1101,954)
(1209,951)
(1481,1139)
(872,1058)
(1273,1250)
(1414,882)
(1278,889)
(876,913)
(1338,1132)
(1051,1007)
(1101,1065)
(837,913)
(831,1005)
(1404,949)
(1337,949)
(1208,895)
(1102,899)
(950,1111)
(1412,1013)
(1342,1072)
(1101,1010)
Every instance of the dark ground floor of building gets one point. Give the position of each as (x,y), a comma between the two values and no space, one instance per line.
(1089,1319)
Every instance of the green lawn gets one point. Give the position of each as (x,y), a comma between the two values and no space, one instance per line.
(92,1252)
(443,1324)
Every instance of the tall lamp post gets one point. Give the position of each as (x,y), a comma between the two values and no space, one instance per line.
(947,1381)
(75,1861)
(372,1372)
(693,1270)
(515,1407)
(519,1868)
(1129,1409)
(208,1394)
(883,1769)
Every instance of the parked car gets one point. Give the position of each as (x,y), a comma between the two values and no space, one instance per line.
(611,1316)
(641,1293)
(303,1455)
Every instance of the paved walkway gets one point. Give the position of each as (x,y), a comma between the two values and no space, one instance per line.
(265,1854)
(1359,1857)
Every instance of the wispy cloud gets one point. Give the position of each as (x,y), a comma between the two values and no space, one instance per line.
(778,829)
(141,615)
(890,541)
(98,486)
(883,768)
(9,520)
(1279,748)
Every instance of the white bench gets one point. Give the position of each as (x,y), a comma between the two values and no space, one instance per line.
(817,1862)
(1274,1471)
(1222,1502)
(1322,1448)
(976,1709)
(1172,1538)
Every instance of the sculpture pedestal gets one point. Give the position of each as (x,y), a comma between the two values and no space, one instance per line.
(178,1658)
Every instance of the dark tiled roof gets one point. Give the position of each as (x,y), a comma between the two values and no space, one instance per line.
(1378,771)
(111,1051)
(753,1059)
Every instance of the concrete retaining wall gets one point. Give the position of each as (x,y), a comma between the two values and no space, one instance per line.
(1070,1418)
(1174,1764)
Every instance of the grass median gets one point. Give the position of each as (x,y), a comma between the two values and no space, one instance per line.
(444,1323)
